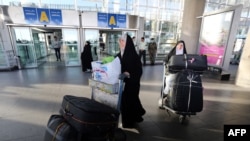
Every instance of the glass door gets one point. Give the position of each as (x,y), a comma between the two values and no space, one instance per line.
(71,47)
(24,47)
(93,36)
(40,47)
(112,42)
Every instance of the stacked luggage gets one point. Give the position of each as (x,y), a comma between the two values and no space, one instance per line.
(84,119)
(58,129)
(185,96)
(194,62)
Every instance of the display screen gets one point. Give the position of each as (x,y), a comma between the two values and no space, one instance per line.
(214,36)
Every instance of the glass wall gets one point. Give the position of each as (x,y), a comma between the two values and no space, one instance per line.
(163,17)
(243,27)
(71,47)
(3,61)
(163,21)
(24,47)
(39,46)
(158,14)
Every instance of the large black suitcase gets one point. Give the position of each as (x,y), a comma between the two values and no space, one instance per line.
(88,116)
(194,62)
(186,94)
(59,130)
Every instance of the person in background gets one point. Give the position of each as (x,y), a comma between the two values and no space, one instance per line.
(135,43)
(179,49)
(56,45)
(86,58)
(152,49)
(142,50)
(131,107)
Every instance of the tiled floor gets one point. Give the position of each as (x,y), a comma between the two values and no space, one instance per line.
(28,98)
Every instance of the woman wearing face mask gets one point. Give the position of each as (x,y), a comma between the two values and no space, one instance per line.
(179,49)
(131,108)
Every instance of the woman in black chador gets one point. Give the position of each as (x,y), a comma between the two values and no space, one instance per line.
(86,58)
(179,49)
(131,108)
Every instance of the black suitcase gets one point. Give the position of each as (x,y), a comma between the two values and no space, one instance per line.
(59,130)
(88,116)
(194,62)
(186,94)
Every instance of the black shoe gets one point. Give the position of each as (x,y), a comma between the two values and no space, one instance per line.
(143,112)
(128,125)
(139,119)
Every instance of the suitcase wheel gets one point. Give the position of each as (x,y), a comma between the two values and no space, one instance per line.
(182,118)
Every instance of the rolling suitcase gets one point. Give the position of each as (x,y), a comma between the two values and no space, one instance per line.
(88,116)
(59,130)
(186,94)
(194,62)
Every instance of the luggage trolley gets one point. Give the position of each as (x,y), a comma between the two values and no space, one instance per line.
(111,95)
(164,100)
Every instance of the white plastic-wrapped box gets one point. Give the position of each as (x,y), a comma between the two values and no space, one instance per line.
(109,88)
(105,98)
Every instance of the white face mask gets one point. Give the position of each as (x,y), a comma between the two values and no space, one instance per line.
(179,51)
(122,51)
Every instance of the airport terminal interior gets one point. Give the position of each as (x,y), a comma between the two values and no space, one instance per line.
(33,91)
(29,97)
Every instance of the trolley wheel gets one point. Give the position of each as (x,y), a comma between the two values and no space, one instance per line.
(161,100)
(182,118)
(160,103)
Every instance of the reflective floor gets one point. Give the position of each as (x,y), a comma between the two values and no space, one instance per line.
(28,98)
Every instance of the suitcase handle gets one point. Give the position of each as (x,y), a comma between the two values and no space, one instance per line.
(67,113)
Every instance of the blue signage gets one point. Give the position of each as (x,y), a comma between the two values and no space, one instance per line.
(42,16)
(30,14)
(111,20)
(56,16)
(102,19)
(121,20)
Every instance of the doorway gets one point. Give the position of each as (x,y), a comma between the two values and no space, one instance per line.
(33,46)
(110,41)
(103,42)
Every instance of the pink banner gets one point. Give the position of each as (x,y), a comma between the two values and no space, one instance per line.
(214,37)
(214,53)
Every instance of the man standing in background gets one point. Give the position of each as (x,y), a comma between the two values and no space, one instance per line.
(152,49)
(56,45)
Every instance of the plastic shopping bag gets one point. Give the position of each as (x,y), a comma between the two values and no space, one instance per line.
(108,59)
(107,73)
